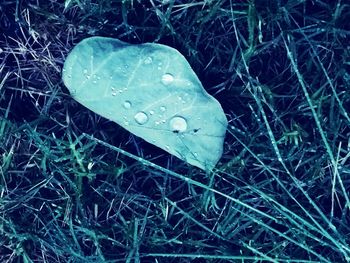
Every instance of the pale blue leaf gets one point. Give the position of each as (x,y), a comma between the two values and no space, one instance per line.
(150,90)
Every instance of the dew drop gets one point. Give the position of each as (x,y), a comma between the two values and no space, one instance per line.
(127,104)
(178,124)
(167,79)
(148,60)
(114,93)
(151,112)
(141,117)
(162,108)
(126,122)
(85,71)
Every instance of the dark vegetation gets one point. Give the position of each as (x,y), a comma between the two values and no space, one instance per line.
(280,193)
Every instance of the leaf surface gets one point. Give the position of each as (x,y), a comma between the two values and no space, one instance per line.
(150,90)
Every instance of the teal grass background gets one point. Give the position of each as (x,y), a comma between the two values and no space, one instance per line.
(76,187)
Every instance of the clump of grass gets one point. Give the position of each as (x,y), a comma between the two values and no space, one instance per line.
(76,187)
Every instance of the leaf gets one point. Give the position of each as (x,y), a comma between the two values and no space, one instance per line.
(150,90)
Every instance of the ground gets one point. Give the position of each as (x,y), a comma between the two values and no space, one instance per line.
(76,187)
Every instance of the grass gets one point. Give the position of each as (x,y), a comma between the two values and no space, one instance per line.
(75,187)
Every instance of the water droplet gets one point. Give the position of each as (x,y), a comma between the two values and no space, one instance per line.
(167,79)
(167,147)
(126,120)
(127,104)
(151,112)
(85,71)
(148,60)
(141,117)
(178,124)
(162,108)
(114,92)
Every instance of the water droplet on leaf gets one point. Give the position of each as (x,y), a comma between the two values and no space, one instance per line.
(141,117)
(178,124)
(127,104)
(148,60)
(167,79)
